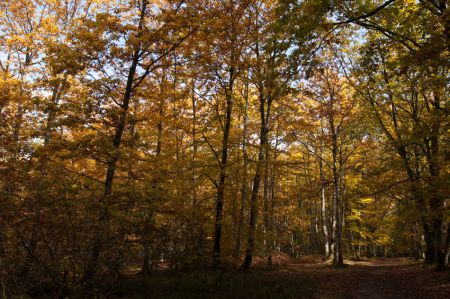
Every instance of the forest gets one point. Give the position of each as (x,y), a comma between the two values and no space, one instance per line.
(224,149)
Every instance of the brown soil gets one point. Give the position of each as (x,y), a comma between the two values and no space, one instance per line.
(372,278)
(305,277)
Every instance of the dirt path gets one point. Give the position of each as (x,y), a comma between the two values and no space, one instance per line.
(308,278)
(375,278)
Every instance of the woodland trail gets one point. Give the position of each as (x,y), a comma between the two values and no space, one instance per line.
(307,277)
(374,278)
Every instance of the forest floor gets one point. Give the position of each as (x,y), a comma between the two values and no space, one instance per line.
(304,278)
(375,278)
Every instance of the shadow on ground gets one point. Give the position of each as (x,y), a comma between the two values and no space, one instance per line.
(369,278)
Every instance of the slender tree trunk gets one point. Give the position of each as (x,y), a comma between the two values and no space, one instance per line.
(102,233)
(196,212)
(338,258)
(253,209)
(146,265)
(222,171)
(56,96)
(332,223)
(273,191)
(256,181)
(244,186)
(447,246)
(194,147)
(234,197)
(20,108)
(323,209)
(436,198)
(267,227)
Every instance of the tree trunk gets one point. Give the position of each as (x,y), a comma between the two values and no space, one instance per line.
(323,209)
(244,187)
(194,147)
(447,246)
(20,108)
(273,191)
(56,96)
(196,212)
(337,258)
(267,226)
(222,170)
(436,198)
(154,186)
(99,237)
(256,180)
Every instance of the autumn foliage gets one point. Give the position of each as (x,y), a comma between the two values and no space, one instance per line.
(149,135)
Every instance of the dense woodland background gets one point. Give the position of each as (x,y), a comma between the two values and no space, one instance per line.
(197,134)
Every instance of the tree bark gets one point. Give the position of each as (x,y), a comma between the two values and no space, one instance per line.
(99,238)
(273,190)
(146,267)
(323,209)
(56,96)
(254,196)
(244,187)
(447,246)
(222,170)
(264,116)
(337,258)
(436,199)
(267,226)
